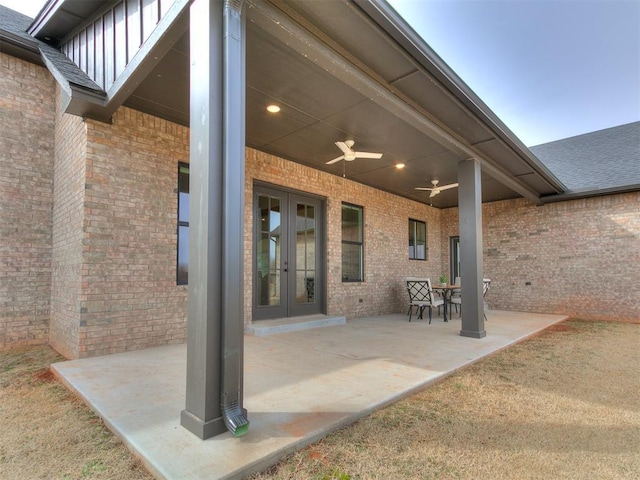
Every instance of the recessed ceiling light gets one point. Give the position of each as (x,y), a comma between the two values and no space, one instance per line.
(273,108)
(399,166)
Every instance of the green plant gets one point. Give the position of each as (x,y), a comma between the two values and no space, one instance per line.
(443,279)
(92,467)
(336,475)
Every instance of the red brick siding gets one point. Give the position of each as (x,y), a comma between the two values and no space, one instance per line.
(26,183)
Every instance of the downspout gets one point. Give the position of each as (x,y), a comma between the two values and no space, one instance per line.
(232,347)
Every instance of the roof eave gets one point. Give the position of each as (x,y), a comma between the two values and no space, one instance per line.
(589,193)
(20,47)
(397,27)
(48,10)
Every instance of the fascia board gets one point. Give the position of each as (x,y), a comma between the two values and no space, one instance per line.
(45,15)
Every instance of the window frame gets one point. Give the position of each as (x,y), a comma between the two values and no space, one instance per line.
(413,235)
(360,243)
(181,223)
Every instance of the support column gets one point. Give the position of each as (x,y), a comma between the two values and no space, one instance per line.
(216,220)
(471,268)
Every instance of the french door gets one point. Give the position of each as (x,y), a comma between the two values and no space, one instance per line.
(454,251)
(288,268)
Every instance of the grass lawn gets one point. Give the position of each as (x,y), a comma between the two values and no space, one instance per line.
(564,404)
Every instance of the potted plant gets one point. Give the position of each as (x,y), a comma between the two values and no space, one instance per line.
(443,279)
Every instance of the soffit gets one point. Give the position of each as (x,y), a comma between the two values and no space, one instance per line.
(320,107)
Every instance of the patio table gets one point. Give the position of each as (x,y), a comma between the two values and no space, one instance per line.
(445,290)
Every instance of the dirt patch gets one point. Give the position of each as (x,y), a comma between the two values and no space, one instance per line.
(44,375)
(561,328)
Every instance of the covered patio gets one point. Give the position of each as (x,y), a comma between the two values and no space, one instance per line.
(299,386)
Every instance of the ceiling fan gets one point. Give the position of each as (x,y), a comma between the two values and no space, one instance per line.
(349,155)
(435,190)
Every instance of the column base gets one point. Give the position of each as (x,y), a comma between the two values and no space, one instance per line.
(200,429)
(473,334)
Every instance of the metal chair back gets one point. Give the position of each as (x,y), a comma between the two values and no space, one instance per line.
(420,290)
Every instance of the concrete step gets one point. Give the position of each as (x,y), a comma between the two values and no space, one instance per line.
(262,328)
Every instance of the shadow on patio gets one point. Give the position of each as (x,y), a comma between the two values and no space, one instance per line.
(299,386)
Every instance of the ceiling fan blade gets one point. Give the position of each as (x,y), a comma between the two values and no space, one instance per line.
(335,160)
(428,189)
(344,147)
(368,155)
(434,192)
(446,187)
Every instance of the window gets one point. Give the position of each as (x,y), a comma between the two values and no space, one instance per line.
(417,240)
(352,243)
(182,269)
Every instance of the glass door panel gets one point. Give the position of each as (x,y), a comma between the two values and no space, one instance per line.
(454,252)
(288,254)
(268,285)
(305,253)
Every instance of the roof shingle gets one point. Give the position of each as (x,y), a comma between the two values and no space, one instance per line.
(14,25)
(598,160)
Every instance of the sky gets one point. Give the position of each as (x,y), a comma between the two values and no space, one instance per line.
(549,69)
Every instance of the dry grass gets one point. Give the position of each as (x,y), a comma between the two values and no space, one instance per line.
(47,432)
(562,405)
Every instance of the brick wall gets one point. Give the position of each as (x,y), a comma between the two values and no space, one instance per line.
(68,223)
(581,257)
(89,239)
(129,297)
(26,182)
(386,219)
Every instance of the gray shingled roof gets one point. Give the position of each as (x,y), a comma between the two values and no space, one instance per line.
(598,160)
(13,28)
(16,22)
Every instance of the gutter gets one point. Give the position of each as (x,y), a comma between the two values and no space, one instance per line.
(19,47)
(18,41)
(589,193)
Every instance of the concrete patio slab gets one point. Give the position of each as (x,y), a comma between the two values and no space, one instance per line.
(299,386)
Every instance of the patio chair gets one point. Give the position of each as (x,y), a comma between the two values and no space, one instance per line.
(421,296)
(486,283)
(456,296)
